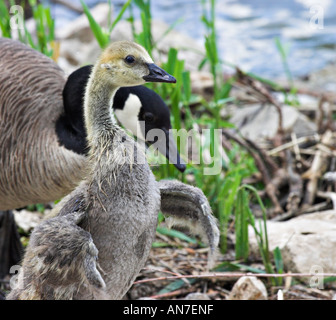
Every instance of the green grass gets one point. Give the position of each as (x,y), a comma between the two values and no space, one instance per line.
(244,218)
(44,38)
(103,36)
(283,49)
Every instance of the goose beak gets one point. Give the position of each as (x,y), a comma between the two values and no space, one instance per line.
(156,74)
(169,149)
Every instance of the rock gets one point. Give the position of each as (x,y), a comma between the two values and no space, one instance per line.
(280,295)
(78,45)
(197,296)
(323,79)
(307,243)
(248,288)
(80,30)
(259,122)
(27,220)
(202,82)
(74,54)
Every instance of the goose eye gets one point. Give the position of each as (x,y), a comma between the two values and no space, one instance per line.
(129,59)
(149,117)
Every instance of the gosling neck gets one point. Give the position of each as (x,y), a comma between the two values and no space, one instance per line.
(98,114)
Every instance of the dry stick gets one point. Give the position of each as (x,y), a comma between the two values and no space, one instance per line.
(162,271)
(262,89)
(296,147)
(279,136)
(315,172)
(288,145)
(270,189)
(326,150)
(279,175)
(330,96)
(230,275)
(172,293)
(330,121)
(287,215)
(175,271)
(319,115)
(328,195)
(261,166)
(272,164)
(295,185)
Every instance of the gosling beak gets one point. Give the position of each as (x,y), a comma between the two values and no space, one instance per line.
(156,74)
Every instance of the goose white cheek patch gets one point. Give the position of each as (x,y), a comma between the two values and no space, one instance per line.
(128,116)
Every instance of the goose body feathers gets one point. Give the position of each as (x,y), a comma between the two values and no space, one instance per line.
(32,169)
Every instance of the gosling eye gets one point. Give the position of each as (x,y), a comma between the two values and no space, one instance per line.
(148,117)
(129,59)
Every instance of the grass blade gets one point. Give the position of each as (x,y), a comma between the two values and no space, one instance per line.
(241,225)
(176,234)
(102,38)
(279,265)
(176,285)
(169,29)
(120,15)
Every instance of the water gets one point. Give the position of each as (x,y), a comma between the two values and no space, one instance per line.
(247,28)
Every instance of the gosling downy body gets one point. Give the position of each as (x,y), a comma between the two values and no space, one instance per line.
(118,200)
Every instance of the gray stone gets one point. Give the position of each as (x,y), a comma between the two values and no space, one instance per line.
(258,122)
(28,220)
(307,243)
(79,28)
(248,288)
(197,296)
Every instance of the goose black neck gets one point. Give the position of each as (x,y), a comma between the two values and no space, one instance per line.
(70,127)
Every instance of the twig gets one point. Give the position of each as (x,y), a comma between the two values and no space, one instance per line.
(162,271)
(287,215)
(174,271)
(295,185)
(328,195)
(266,175)
(288,145)
(230,275)
(296,146)
(319,115)
(315,172)
(261,166)
(269,161)
(172,293)
(330,96)
(263,90)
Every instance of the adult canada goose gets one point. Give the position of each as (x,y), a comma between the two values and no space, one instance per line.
(114,209)
(42,136)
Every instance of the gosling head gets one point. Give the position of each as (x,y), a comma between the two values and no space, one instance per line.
(126,63)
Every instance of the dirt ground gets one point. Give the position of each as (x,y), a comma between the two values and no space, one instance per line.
(185,259)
